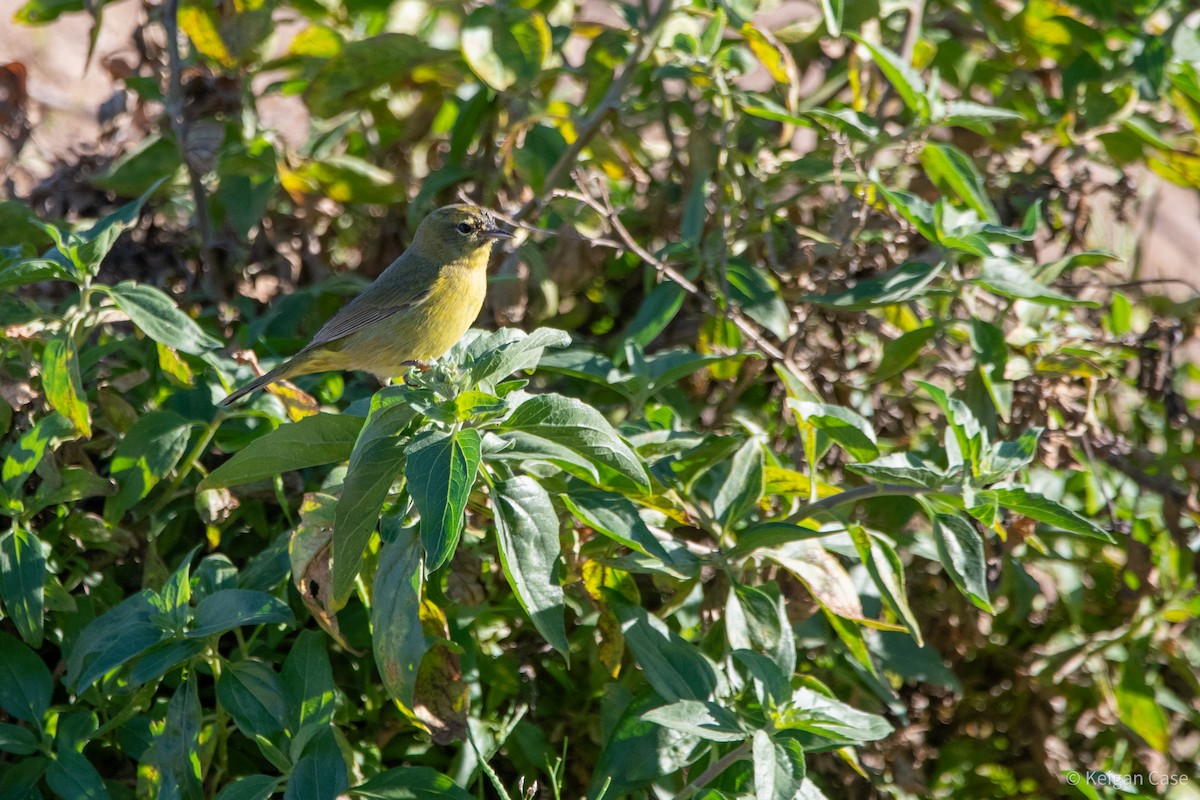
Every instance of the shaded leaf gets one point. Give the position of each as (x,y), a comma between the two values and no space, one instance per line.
(441,472)
(527,536)
(309,442)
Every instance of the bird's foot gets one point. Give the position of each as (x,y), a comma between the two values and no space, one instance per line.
(424,366)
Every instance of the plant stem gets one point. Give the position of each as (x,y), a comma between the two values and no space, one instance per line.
(863,493)
(192,457)
(179,126)
(591,126)
(709,775)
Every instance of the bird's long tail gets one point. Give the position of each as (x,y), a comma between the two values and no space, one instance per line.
(282,371)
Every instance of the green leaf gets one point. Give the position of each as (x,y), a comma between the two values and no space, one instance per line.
(899,285)
(519,447)
(18,741)
(308,684)
(883,564)
(1043,509)
(147,454)
(752,289)
(832,11)
(771,685)
(904,79)
(86,250)
(23,582)
(145,166)
(756,621)
(771,533)
(397,59)
(233,608)
(177,748)
(64,385)
(309,442)
(778,767)
(674,668)
(19,781)
(744,486)
(1137,705)
(966,448)
(991,356)
(636,752)
(527,536)
(70,774)
(655,313)
(1005,458)
(162,658)
(906,469)
(320,772)
(617,518)
(441,473)
(705,720)
(252,694)
(832,719)
(977,117)
(25,682)
(901,352)
(158,317)
(124,632)
(950,168)
(409,783)
(22,458)
(1011,279)
(505,46)
(822,574)
(583,430)
(397,638)
(251,787)
(377,460)
(77,483)
(844,426)
(16,272)
(960,549)
(847,121)
(492,357)
(916,210)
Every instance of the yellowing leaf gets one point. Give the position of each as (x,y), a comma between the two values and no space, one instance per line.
(200,25)
(767,54)
(316,41)
(788,481)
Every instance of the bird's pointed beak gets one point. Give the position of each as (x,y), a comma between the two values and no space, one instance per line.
(496,233)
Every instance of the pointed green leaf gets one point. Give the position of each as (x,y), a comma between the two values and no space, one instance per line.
(441,473)
(960,549)
(23,582)
(309,442)
(527,536)
(397,637)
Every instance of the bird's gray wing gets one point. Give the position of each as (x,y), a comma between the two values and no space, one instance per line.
(365,310)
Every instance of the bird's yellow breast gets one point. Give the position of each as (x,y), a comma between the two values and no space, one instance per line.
(421,333)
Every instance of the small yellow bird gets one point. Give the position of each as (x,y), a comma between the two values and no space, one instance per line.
(414,311)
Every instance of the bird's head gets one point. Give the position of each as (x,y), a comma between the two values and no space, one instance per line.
(457,231)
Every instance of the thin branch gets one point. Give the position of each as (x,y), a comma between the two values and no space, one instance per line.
(609,103)
(863,493)
(912,33)
(606,210)
(180,127)
(720,765)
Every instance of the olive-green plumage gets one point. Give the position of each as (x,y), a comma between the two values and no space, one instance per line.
(414,311)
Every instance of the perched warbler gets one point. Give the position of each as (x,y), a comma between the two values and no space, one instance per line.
(414,312)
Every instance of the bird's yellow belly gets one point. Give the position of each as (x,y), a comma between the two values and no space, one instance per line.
(422,333)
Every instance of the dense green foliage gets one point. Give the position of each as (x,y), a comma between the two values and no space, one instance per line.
(816,451)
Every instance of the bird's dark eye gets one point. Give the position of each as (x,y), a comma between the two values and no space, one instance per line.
(463,227)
